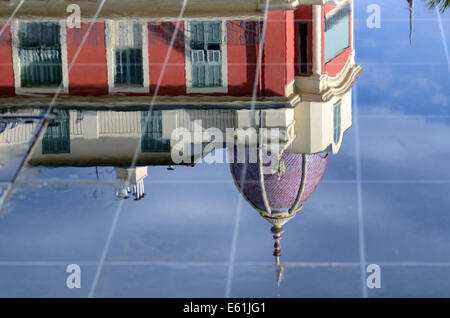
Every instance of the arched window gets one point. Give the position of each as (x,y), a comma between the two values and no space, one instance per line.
(337,122)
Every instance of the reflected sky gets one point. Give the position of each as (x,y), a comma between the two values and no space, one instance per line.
(383,199)
(400,79)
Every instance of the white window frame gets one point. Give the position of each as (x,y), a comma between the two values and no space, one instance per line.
(110,61)
(188,64)
(19,90)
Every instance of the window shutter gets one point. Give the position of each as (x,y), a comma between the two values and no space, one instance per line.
(214,71)
(128,35)
(206,58)
(129,69)
(198,56)
(197,35)
(151,127)
(198,68)
(214,32)
(128,54)
(40,54)
(57,135)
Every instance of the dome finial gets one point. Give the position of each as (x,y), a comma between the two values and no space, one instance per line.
(280,275)
(277,230)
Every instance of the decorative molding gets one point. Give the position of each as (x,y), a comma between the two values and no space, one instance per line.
(153,8)
(289,89)
(322,88)
(144,101)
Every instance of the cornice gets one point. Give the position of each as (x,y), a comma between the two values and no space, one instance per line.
(322,88)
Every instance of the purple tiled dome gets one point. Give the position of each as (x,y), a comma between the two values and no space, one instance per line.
(281,194)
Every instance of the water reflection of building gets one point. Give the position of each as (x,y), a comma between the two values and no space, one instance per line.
(77,137)
(106,137)
(304,82)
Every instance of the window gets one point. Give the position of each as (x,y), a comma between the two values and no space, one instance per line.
(337,123)
(3,125)
(151,127)
(206,54)
(40,54)
(80,116)
(57,135)
(337,33)
(128,49)
(303,48)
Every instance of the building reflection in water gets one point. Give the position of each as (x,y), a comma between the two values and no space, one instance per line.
(218,76)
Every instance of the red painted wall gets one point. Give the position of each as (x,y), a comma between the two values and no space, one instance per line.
(174,77)
(327,8)
(88,71)
(242,56)
(89,74)
(6,65)
(278,64)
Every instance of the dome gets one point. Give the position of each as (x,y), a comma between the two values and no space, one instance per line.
(282,193)
(279,196)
